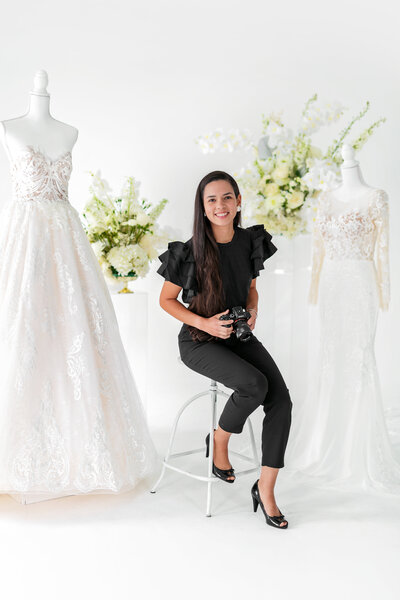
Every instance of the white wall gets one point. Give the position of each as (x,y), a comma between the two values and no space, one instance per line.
(142,79)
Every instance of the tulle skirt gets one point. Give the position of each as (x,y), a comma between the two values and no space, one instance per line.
(71,419)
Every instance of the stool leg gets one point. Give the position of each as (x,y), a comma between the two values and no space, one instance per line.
(213,390)
(172,436)
(253,442)
(171,441)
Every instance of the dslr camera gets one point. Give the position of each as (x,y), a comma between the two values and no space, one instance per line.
(240,316)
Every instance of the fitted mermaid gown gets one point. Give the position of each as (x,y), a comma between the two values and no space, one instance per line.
(339,433)
(71,419)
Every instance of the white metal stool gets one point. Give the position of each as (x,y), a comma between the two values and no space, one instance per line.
(213,391)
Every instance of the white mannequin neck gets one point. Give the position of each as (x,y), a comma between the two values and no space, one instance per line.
(352,179)
(39,107)
(37,128)
(353,188)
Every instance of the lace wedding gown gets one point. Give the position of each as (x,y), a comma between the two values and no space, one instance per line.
(339,433)
(71,419)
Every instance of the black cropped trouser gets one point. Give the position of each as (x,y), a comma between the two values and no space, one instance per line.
(249,370)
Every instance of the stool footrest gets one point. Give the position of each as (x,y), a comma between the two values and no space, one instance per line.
(189,474)
(213,392)
(203,477)
(197,451)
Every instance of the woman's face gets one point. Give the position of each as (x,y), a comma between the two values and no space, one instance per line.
(220,203)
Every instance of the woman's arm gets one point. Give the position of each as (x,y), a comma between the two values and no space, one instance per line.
(211,325)
(252,304)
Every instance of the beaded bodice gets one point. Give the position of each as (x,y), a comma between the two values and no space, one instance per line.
(35,177)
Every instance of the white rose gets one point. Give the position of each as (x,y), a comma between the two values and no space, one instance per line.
(147,243)
(274,202)
(270,189)
(142,218)
(295,199)
(280,173)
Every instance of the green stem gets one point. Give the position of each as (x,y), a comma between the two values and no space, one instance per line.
(338,143)
(308,103)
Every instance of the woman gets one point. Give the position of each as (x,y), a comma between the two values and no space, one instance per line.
(216,271)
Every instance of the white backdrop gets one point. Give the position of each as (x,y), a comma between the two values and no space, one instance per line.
(142,79)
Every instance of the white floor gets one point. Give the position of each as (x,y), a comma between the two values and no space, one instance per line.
(145,546)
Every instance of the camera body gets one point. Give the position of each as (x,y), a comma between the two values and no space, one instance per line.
(240,316)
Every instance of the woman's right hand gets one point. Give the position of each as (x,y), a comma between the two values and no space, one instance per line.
(217,328)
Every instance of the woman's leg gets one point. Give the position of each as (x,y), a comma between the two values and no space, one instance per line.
(276,425)
(266,486)
(217,361)
(275,400)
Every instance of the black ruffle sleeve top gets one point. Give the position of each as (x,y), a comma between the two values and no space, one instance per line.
(242,259)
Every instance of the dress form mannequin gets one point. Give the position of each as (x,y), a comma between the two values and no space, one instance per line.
(71,419)
(353,189)
(37,128)
(340,433)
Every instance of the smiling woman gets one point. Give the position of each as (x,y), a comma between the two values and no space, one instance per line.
(216,271)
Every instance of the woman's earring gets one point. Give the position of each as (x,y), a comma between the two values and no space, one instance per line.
(204,213)
(239,208)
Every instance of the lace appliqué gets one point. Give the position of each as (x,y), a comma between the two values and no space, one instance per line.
(42,461)
(355,235)
(96,471)
(76,365)
(66,283)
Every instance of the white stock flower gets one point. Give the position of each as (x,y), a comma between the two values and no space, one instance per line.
(239,139)
(130,191)
(248,178)
(317,116)
(323,175)
(278,135)
(99,186)
(217,140)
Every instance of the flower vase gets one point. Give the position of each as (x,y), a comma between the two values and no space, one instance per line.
(125,282)
(125,290)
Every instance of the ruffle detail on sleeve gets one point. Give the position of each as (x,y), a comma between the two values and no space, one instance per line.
(178,267)
(262,247)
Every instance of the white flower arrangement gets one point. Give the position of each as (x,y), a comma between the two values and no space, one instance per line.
(122,229)
(282,183)
(217,140)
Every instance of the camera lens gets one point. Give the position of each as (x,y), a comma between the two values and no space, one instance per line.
(243,331)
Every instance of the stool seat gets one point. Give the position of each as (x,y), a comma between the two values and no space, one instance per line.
(213,391)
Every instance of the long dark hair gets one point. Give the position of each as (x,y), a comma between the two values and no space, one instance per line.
(210,298)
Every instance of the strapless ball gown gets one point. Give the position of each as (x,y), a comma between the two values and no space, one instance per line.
(71,419)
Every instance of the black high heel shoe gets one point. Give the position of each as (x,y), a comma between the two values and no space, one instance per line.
(221,473)
(271,520)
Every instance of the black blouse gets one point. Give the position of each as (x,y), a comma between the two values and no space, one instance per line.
(242,259)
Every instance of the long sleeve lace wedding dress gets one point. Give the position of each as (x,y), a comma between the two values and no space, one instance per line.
(71,419)
(339,434)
